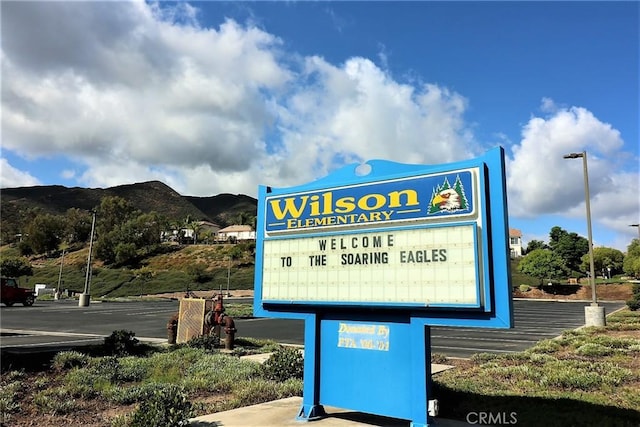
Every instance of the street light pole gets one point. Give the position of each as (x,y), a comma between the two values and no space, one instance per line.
(85,297)
(57,295)
(638,226)
(595,316)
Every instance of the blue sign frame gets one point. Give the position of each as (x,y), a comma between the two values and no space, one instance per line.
(395,335)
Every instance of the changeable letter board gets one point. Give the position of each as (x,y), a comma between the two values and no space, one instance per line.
(425,266)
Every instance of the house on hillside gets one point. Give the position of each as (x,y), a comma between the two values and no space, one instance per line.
(515,243)
(185,234)
(234,233)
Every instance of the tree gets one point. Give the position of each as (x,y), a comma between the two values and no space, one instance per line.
(631,263)
(143,275)
(15,267)
(197,272)
(568,246)
(77,226)
(136,236)
(603,259)
(45,233)
(112,213)
(543,264)
(535,244)
(195,227)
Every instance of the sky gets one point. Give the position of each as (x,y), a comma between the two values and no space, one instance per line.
(220,97)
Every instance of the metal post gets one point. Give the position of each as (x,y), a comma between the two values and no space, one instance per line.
(57,295)
(228,275)
(86,296)
(595,316)
(594,298)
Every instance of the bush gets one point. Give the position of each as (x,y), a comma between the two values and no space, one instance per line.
(68,360)
(121,343)
(634,302)
(524,288)
(593,350)
(10,398)
(284,363)
(55,402)
(167,406)
(205,342)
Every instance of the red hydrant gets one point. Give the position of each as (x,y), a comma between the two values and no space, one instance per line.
(216,318)
(229,330)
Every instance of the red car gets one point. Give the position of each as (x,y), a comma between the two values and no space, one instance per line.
(11,293)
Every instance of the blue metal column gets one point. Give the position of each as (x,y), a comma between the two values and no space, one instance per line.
(421,367)
(311,408)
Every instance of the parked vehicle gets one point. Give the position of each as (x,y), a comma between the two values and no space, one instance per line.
(11,293)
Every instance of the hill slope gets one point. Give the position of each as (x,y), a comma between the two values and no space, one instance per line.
(146,196)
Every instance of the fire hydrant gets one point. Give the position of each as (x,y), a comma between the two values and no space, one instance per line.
(172,329)
(216,319)
(229,330)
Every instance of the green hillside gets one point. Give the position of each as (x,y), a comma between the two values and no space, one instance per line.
(193,267)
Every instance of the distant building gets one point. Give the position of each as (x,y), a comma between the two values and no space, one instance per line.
(236,232)
(185,234)
(515,243)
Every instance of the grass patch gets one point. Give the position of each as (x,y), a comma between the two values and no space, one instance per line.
(147,385)
(585,377)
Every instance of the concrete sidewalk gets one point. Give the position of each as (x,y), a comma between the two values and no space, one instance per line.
(282,413)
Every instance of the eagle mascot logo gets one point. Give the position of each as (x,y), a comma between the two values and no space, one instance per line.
(446,198)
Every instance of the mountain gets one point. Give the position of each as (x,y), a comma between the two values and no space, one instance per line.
(225,208)
(145,196)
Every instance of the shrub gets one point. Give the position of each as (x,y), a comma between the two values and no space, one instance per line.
(68,360)
(594,349)
(107,368)
(132,369)
(524,288)
(55,401)
(284,363)
(121,343)
(168,406)
(438,358)
(634,302)
(205,342)
(260,390)
(9,398)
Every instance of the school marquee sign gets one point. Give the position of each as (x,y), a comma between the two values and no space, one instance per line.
(371,261)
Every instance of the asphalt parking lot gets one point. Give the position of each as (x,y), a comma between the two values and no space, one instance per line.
(52,325)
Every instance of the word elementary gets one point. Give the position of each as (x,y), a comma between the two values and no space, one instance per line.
(376,203)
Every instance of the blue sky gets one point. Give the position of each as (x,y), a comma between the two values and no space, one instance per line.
(213,97)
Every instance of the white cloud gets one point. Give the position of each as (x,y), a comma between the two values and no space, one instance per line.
(136,91)
(12,177)
(540,181)
(145,91)
(358,112)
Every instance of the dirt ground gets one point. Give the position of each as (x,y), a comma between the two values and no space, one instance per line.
(240,293)
(612,292)
(620,292)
